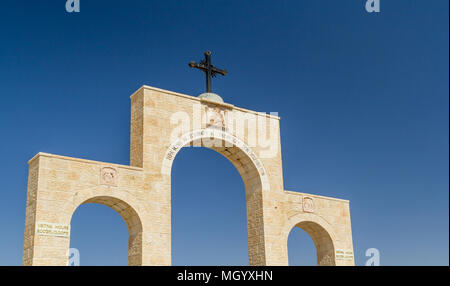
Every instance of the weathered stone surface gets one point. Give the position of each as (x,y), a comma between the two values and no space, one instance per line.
(141,193)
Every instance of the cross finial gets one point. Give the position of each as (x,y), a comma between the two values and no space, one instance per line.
(209,70)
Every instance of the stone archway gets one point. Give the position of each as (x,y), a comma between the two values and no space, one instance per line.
(59,185)
(132,220)
(321,234)
(250,168)
(141,192)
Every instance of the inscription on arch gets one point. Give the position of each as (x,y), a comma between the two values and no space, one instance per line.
(213,134)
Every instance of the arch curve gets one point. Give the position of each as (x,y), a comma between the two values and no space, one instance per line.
(250,168)
(128,213)
(233,148)
(320,232)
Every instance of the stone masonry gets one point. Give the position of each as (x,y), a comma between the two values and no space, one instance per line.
(141,192)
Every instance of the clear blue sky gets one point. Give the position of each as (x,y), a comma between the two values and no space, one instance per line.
(364,102)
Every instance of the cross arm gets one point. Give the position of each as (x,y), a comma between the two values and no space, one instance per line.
(197,66)
(219,71)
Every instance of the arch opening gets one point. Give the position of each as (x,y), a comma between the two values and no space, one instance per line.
(302,251)
(322,240)
(251,171)
(132,221)
(208,210)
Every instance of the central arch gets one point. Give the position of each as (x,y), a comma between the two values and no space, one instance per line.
(251,170)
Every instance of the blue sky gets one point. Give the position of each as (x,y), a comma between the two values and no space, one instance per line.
(363,100)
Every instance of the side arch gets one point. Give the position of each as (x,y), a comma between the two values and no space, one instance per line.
(321,233)
(130,214)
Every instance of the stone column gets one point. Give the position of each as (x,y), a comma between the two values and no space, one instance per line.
(51,246)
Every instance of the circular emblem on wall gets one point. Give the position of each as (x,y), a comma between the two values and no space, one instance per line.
(308,204)
(108,176)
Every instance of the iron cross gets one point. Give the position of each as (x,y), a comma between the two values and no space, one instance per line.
(209,70)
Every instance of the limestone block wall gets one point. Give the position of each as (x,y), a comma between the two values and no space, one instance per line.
(141,193)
